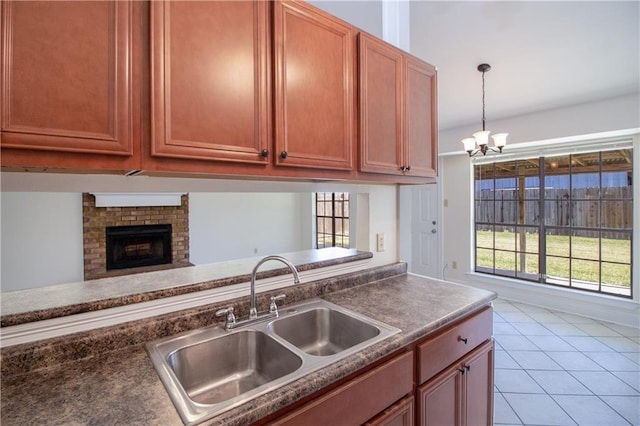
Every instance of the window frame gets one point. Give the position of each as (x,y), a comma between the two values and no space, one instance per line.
(539,154)
(323,218)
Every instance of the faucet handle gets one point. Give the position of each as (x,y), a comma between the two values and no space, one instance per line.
(231,318)
(273,306)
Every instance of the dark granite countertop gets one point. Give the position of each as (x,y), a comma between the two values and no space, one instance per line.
(121,386)
(22,306)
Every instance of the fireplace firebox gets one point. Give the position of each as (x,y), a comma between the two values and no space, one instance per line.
(137,246)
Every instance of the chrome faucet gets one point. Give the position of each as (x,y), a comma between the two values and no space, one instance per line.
(231,321)
(253,312)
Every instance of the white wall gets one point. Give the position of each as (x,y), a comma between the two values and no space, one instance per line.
(383,219)
(456,179)
(364,14)
(229,219)
(388,20)
(622,112)
(225,226)
(41,239)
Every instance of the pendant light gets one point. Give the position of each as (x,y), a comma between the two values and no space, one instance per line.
(479,143)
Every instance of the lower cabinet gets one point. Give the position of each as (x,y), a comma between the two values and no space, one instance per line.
(462,394)
(360,399)
(478,386)
(444,380)
(399,414)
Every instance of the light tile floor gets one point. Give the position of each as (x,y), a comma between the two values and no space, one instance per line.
(554,368)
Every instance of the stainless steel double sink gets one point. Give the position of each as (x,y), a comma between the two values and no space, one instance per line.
(209,371)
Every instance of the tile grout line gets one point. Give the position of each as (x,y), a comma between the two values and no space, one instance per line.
(611,349)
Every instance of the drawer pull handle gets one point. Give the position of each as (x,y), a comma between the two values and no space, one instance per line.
(463,339)
(464,369)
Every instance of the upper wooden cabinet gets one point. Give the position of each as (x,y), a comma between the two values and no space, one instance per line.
(421,118)
(314,98)
(68,86)
(398,121)
(381,106)
(210,88)
(213,88)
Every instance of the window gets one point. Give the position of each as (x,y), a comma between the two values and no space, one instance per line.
(332,219)
(558,220)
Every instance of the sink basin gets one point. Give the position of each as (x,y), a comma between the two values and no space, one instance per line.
(209,371)
(323,331)
(230,365)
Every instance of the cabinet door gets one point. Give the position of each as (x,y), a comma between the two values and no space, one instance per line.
(314,88)
(381,123)
(210,80)
(400,414)
(67,80)
(439,399)
(421,123)
(478,389)
(462,394)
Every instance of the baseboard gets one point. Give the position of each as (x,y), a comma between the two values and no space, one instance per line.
(601,307)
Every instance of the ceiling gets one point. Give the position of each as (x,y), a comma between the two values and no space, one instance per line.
(543,55)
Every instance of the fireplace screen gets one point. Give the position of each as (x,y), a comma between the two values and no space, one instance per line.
(136,246)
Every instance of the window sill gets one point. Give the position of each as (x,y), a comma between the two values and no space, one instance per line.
(593,305)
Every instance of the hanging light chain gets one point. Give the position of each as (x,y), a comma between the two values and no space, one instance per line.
(483,94)
(479,142)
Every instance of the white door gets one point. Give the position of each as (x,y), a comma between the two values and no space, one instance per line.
(425,231)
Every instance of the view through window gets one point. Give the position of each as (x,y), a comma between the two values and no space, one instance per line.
(332,219)
(564,220)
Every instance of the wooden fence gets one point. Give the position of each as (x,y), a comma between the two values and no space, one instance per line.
(584,209)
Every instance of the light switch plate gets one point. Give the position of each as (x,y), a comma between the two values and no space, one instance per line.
(380,242)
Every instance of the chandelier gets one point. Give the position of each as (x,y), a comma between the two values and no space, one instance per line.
(479,143)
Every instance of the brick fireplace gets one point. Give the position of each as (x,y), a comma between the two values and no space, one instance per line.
(96,220)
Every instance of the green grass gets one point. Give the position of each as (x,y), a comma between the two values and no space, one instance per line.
(341,241)
(585,251)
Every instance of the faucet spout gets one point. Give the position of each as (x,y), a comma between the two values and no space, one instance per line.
(253,312)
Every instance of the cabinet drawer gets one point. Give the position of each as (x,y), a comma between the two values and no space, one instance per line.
(359,399)
(436,354)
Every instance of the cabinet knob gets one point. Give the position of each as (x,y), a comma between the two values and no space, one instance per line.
(284,154)
(265,153)
(408,168)
(463,340)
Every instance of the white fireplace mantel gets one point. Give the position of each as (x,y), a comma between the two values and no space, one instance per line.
(137,199)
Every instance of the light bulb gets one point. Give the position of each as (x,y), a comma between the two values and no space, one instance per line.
(482,138)
(500,139)
(469,144)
